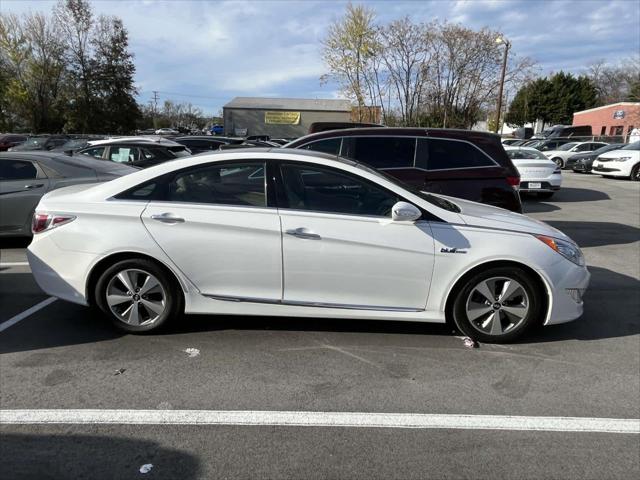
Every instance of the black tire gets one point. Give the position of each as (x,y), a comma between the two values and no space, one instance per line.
(558,161)
(168,295)
(545,194)
(635,173)
(533,300)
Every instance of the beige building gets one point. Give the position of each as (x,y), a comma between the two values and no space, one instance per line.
(281,117)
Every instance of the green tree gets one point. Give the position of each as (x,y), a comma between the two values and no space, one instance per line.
(113,73)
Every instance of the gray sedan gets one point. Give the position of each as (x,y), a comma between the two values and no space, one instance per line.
(26,176)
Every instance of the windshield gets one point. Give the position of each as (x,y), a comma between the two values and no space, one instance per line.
(35,141)
(632,146)
(607,148)
(567,146)
(524,154)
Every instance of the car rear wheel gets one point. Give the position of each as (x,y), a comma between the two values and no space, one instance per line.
(635,173)
(498,305)
(558,161)
(138,296)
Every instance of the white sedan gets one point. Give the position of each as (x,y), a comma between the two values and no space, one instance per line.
(620,163)
(563,152)
(537,173)
(317,236)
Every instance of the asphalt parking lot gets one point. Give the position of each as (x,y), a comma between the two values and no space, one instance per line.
(64,356)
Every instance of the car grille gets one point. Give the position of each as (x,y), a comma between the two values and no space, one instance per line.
(603,160)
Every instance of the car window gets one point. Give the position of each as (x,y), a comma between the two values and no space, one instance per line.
(585,147)
(328,145)
(436,154)
(146,154)
(95,152)
(381,152)
(331,191)
(227,184)
(17,170)
(123,154)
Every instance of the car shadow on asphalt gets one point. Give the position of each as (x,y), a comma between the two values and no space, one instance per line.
(597,234)
(611,310)
(15,242)
(28,455)
(531,203)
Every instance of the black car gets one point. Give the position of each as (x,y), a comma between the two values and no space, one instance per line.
(205,143)
(460,163)
(583,162)
(10,140)
(139,153)
(41,142)
(26,176)
(544,145)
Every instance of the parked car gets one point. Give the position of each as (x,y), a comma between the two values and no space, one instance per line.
(563,152)
(137,152)
(73,145)
(510,141)
(620,163)
(565,131)
(544,145)
(167,131)
(538,174)
(9,140)
(205,143)
(459,163)
(301,234)
(40,142)
(582,162)
(26,176)
(523,133)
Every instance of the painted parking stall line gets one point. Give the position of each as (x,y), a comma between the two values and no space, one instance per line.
(30,311)
(322,419)
(14,264)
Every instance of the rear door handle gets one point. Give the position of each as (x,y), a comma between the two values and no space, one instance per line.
(31,186)
(303,233)
(167,218)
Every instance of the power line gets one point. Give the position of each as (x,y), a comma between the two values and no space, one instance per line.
(188,95)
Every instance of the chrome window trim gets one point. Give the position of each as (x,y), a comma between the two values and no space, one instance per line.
(296,303)
(415,151)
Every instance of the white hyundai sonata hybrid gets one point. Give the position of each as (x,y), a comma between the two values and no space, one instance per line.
(300,234)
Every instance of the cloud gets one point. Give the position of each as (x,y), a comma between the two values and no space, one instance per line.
(215,50)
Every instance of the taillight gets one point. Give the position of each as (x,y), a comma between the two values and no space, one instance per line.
(46,221)
(514,182)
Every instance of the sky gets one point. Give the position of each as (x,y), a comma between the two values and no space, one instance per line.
(207,52)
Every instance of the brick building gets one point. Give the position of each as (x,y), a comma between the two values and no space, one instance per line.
(617,119)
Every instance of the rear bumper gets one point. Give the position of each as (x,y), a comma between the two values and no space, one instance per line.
(547,184)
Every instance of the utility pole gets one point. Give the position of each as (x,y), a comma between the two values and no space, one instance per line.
(507,45)
(155,108)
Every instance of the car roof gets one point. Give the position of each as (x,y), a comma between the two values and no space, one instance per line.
(135,140)
(69,165)
(526,149)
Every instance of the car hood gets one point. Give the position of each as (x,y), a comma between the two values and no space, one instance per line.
(486,216)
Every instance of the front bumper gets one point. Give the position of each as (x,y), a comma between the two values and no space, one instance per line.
(581,167)
(609,169)
(567,288)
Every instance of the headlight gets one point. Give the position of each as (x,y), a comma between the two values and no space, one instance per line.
(621,159)
(568,250)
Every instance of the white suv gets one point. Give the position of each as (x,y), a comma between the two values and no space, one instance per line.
(620,163)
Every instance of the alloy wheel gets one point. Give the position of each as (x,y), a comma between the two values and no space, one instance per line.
(136,297)
(497,305)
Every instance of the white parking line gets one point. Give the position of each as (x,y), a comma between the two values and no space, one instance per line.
(14,264)
(30,311)
(322,419)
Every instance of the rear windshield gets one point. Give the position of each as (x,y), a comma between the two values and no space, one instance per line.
(525,154)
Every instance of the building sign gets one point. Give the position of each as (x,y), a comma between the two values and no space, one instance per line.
(618,114)
(282,118)
(240,132)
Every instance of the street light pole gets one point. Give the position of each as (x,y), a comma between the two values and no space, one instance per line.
(504,71)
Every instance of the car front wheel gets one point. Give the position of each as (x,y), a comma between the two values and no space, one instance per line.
(498,305)
(138,296)
(558,161)
(635,173)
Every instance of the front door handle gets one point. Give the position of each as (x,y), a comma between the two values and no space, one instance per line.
(303,233)
(31,186)
(167,218)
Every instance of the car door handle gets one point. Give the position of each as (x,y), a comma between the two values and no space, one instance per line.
(303,233)
(167,218)
(31,186)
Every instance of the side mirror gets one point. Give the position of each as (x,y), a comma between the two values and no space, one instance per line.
(405,212)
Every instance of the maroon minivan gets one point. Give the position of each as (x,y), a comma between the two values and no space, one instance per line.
(459,163)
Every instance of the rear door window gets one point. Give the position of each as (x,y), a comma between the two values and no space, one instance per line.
(17,170)
(123,154)
(96,152)
(381,152)
(440,154)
